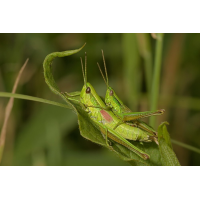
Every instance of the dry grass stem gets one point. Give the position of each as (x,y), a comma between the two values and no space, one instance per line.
(154,36)
(8,111)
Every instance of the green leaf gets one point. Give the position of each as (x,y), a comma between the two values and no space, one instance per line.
(90,130)
(168,157)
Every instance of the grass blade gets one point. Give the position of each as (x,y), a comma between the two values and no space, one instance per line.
(26,97)
(156,76)
(146,52)
(186,146)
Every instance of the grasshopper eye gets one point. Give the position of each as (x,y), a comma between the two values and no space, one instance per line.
(111,93)
(88,90)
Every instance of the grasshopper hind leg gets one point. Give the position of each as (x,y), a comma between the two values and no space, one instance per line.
(150,131)
(146,127)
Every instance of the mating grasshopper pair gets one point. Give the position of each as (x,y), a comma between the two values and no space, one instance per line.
(116,121)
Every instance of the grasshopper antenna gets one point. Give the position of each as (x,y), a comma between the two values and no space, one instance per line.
(105,66)
(83,71)
(85,67)
(102,74)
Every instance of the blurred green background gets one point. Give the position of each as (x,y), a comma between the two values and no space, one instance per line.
(41,134)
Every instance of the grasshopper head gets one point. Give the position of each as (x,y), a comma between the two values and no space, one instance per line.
(88,94)
(87,90)
(110,93)
(111,97)
(112,100)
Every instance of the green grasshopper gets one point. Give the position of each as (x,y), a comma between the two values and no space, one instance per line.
(123,112)
(106,120)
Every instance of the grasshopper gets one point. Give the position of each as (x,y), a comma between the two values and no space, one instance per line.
(123,112)
(106,120)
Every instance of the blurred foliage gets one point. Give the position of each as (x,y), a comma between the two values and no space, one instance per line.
(40,134)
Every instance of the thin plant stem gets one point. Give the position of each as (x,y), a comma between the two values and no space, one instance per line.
(186,146)
(156,77)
